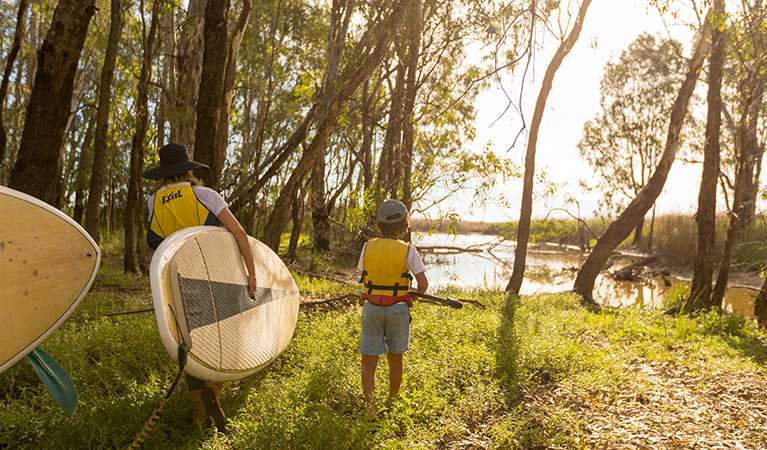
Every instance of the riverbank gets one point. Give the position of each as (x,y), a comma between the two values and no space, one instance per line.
(538,372)
(475,260)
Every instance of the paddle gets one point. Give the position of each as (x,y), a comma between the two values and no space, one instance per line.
(426,298)
(55,379)
(447,301)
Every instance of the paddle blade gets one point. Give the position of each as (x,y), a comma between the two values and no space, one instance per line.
(55,379)
(453,303)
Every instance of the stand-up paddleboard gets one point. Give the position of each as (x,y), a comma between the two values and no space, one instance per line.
(47,264)
(201,298)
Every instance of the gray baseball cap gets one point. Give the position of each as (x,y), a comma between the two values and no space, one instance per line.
(391,211)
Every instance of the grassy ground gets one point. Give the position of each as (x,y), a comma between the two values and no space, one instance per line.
(530,373)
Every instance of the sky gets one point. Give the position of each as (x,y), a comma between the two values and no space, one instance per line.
(610,26)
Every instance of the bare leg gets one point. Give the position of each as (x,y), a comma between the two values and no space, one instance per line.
(395,372)
(210,399)
(199,409)
(369,363)
(216,385)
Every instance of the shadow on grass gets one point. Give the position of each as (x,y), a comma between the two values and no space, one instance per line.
(507,355)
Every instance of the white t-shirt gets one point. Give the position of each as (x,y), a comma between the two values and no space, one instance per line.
(207,196)
(414,263)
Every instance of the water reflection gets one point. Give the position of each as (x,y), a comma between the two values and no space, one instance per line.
(491,263)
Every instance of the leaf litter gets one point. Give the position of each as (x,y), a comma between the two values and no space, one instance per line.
(668,409)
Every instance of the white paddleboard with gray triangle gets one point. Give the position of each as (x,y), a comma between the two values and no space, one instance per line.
(200,291)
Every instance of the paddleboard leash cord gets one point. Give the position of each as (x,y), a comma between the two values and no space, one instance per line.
(146,430)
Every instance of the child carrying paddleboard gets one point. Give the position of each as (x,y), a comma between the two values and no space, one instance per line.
(180,201)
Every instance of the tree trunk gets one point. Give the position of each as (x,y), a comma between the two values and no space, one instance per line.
(143,251)
(297,215)
(336,95)
(414,26)
(754,149)
(82,168)
(526,211)
(228,87)
(20,25)
(137,148)
(320,223)
(81,87)
(737,210)
(625,223)
(754,152)
(760,305)
(638,238)
(167,81)
(101,143)
(705,217)
(20,90)
(49,107)
(189,69)
(388,167)
(367,137)
(211,95)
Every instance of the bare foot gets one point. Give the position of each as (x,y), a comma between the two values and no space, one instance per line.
(372,411)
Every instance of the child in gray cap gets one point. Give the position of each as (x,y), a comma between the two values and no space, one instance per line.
(386,264)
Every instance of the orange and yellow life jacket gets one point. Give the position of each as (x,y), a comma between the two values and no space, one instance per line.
(385,276)
(176,207)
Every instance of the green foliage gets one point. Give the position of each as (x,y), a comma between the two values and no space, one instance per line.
(625,140)
(464,373)
(676,296)
(674,235)
(561,230)
(751,250)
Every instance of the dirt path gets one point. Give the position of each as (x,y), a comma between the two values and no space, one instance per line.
(668,408)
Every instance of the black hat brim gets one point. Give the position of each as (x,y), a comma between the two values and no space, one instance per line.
(169,170)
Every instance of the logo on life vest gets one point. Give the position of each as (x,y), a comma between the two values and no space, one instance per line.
(171,196)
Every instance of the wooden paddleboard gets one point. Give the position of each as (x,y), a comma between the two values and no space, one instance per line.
(201,297)
(47,264)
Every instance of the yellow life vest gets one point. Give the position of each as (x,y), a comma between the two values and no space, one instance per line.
(385,275)
(176,207)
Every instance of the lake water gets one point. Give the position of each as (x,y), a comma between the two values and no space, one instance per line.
(491,262)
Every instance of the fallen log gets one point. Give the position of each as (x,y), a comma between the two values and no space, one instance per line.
(631,272)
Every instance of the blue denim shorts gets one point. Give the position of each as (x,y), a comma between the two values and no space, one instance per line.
(385,327)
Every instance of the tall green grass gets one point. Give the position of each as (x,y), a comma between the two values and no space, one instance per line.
(465,372)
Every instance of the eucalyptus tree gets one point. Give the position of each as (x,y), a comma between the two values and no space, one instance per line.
(10,60)
(749,53)
(622,227)
(412,122)
(625,140)
(133,203)
(35,171)
(751,63)
(19,89)
(526,209)
(230,72)
(700,287)
(339,86)
(211,90)
(188,56)
(100,150)
(283,58)
(83,165)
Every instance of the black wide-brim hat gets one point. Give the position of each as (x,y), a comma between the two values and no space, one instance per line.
(174,160)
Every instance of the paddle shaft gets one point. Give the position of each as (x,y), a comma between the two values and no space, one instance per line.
(447,301)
